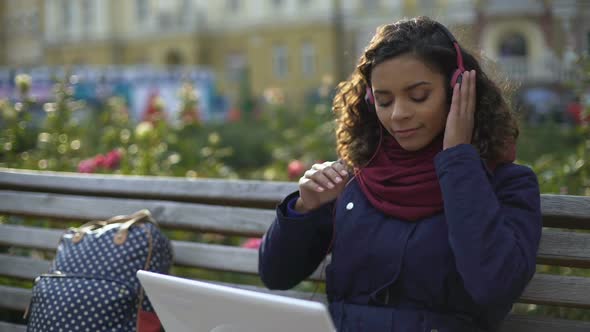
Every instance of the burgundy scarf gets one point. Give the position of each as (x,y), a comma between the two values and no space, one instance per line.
(404,184)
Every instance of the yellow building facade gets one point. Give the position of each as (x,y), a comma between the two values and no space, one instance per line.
(291,45)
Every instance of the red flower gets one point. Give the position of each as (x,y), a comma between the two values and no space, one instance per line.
(87,166)
(252,243)
(99,160)
(112,159)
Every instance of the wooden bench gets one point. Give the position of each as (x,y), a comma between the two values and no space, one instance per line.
(240,208)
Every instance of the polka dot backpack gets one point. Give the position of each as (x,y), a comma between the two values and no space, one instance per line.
(91,285)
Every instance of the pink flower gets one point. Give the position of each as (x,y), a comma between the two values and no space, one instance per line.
(252,243)
(99,160)
(87,166)
(295,169)
(112,159)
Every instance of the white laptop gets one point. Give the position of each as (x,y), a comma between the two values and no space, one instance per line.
(184,305)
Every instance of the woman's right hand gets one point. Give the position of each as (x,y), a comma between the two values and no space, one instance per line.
(321,184)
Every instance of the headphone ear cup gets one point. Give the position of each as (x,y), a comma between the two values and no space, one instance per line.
(457,77)
(370,99)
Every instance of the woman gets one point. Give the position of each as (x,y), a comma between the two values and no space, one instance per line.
(437,229)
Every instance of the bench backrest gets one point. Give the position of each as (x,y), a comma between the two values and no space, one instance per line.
(243,208)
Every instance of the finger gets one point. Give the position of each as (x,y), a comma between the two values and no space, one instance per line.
(309,173)
(472,94)
(340,168)
(465,92)
(310,184)
(333,175)
(323,180)
(317,166)
(455,100)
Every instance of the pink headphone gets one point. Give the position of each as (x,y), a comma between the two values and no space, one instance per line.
(457,75)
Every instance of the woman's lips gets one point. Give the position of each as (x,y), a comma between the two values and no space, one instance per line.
(405,133)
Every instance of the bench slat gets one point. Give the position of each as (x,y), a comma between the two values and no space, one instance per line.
(192,254)
(189,216)
(548,289)
(22,267)
(523,323)
(14,298)
(8,327)
(164,188)
(564,249)
(18,298)
(561,211)
(566,291)
(557,248)
(565,211)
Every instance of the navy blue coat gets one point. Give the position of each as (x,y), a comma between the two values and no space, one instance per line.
(460,270)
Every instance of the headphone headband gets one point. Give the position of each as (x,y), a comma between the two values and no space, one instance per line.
(449,35)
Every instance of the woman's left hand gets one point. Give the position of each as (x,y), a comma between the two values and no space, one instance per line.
(460,121)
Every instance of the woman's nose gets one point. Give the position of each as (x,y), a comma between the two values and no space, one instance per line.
(400,112)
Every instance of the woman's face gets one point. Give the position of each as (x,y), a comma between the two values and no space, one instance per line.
(410,100)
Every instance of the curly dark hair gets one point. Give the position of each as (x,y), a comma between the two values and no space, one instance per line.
(357,129)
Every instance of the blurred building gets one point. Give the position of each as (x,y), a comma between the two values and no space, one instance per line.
(294,45)
(534,41)
(21,40)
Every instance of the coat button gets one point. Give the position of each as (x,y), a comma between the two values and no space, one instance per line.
(349,206)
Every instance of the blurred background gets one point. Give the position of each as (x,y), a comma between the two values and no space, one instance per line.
(243,89)
(224,88)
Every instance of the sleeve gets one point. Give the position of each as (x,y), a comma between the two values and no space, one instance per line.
(494,223)
(294,245)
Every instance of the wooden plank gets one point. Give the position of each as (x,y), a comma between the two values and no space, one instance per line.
(163,188)
(565,291)
(561,248)
(566,211)
(22,267)
(562,211)
(29,237)
(14,298)
(547,289)
(523,323)
(215,257)
(193,254)
(224,258)
(189,216)
(9,327)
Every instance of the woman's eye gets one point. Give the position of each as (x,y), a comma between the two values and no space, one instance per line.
(387,104)
(420,99)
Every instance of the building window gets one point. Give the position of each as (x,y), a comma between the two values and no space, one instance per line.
(371,5)
(35,22)
(87,15)
(141,10)
(280,66)
(308,57)
(185,11)
(174,58)
(233,5)
(66,10)
(277,3)
(235,67)
(513,45)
